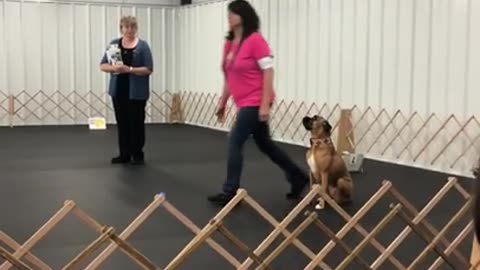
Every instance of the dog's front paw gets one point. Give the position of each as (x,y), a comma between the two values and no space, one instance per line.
(321,204)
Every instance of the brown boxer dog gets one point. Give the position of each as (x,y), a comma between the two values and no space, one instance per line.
(327,166)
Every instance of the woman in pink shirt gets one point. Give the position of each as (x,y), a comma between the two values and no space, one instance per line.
(248,70)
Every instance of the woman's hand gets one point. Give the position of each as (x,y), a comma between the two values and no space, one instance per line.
(115,69)
(122,69)
(222,103)
(264,113)
(108,68)
(220,114)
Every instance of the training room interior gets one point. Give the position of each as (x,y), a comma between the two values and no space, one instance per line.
(397,80)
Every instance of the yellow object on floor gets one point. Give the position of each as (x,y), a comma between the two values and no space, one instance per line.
(97,123)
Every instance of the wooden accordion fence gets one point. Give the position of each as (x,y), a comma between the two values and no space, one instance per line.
(431,141)
(435,245)
(440,143)
(447,144)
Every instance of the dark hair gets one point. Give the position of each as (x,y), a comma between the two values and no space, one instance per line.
(250,19)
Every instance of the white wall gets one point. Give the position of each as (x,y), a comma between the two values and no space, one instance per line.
(136,2)
(56,48)
(411,55)
(416,56)
(420,57)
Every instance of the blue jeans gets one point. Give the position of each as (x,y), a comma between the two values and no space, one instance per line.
(246,123)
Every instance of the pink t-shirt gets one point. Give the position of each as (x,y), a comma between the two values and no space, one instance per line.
(244,75)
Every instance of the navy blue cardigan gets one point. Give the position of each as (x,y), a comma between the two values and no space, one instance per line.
(139,85)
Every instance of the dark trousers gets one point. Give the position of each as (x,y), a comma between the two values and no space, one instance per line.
(246,123)
(130,116)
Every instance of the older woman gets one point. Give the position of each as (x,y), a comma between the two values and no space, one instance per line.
(129,88)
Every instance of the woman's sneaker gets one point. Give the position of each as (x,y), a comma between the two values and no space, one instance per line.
(220,198)
(297,188)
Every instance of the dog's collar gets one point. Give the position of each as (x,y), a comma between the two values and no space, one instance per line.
(317,141)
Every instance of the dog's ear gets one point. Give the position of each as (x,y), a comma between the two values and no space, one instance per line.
(327,127)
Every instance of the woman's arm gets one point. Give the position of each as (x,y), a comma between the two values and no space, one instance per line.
(222,103)
(117,69)
(109,68)
(147,67)
(267,89)
(262,54)
(140,71)
(105,65)
(224,96)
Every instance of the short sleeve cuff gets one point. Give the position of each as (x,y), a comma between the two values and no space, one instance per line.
(265,62)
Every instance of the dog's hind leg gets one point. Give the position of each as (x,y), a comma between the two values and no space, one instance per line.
(344,190)
(334,193)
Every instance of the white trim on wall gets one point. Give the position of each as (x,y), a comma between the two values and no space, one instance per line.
(150,3)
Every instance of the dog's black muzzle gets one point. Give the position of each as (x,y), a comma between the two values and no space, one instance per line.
(307,123)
